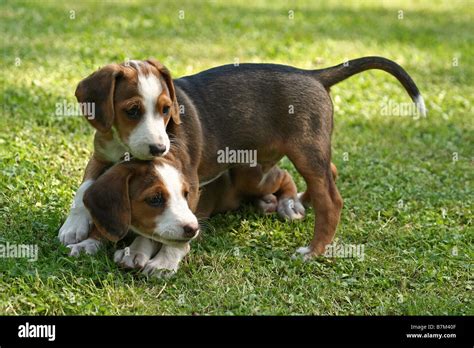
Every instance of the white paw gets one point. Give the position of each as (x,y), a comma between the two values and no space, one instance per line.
(304,253)
(160,268)
(132,259)
(76,227)
(267,204)
(89,246)
(291,209)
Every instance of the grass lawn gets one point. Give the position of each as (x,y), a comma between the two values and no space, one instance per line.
(406,181)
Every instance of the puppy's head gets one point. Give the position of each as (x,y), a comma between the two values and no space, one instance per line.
(149,197)
(135,100)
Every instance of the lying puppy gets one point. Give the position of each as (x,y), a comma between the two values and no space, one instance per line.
(273,109)
(152,199)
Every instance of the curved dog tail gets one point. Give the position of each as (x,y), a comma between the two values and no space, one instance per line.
(330,76)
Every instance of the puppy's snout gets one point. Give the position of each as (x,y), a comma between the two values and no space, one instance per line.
(157,149)
(190,231)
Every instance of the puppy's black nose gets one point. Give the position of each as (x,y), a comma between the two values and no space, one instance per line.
(157,149)
(190,231)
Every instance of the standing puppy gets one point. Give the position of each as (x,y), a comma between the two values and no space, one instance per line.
(276,110)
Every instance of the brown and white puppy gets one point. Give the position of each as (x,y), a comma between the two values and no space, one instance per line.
(275,110)
(151,198)
(133,104)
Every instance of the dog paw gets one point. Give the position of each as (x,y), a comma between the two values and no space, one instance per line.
(76,227)
(289,208)
(304,253)
(160,268)
(89,246)
(267,204)
(130,259)
(161,273)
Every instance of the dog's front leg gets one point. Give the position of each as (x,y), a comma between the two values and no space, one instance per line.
(166,262)
(89,245)
(137,254)
(76,227)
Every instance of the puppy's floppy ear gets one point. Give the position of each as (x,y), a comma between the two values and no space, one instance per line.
(169,82)
(98,89)
(108,202)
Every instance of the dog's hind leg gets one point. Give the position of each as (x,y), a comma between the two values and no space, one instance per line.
(315,168)
(305,197)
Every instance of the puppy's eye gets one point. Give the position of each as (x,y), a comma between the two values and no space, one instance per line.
(166,110)
(133,113)
(156,201)
(186,194)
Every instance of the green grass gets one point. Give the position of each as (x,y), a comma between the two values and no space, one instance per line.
(397,174)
